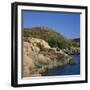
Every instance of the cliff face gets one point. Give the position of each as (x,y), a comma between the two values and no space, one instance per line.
(38,56)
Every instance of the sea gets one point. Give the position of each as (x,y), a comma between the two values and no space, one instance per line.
(70,69)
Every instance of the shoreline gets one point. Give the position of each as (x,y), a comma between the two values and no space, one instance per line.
(61,67)
(40,56)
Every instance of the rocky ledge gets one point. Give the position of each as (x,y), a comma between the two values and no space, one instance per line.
(38,56)
(72,50)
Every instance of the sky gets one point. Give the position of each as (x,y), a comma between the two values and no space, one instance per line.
(68,24)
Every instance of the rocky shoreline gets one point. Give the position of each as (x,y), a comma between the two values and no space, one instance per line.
(38,56)
(72,50)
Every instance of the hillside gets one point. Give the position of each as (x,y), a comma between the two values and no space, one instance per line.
(53,38)
(39,57)
(44,49)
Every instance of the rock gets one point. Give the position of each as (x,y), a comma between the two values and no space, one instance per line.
(38,56)
(72,50)
(73,61)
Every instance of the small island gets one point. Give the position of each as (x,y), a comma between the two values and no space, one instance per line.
(44,49)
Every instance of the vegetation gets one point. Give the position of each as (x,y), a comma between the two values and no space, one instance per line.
(53,38)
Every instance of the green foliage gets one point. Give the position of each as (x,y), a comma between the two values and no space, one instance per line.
(53,38)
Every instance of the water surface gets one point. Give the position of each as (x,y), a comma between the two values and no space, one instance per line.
(73,69)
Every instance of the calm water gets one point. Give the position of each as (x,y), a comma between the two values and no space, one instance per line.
(65,70)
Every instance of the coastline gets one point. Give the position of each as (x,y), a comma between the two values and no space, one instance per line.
(39,57)
(69,69)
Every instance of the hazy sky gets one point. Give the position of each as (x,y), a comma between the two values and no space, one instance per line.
(65,23)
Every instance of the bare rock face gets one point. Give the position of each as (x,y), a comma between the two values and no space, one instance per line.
(38,56)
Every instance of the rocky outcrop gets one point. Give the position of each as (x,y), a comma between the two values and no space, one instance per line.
(72,50)
(38,56)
